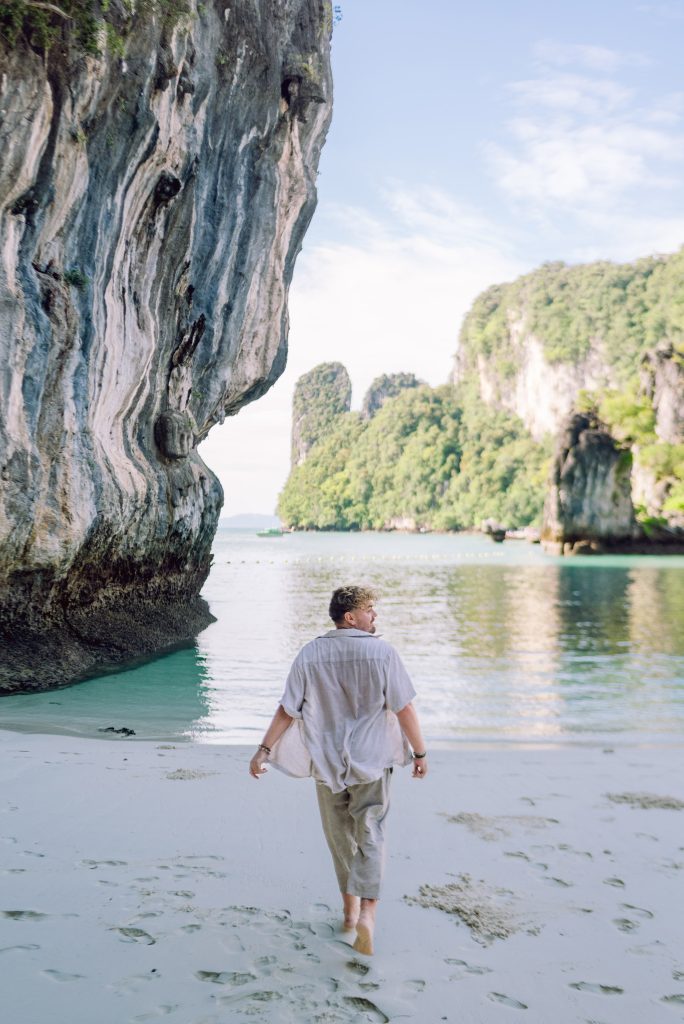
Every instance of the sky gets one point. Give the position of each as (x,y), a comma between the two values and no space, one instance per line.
(470,143)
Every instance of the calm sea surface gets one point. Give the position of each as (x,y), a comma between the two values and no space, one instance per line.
(503,642)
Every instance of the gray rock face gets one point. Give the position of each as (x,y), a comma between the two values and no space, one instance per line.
(542,394)
(589,503)
(320,396)
(662,380)
(151,209)
(388,385)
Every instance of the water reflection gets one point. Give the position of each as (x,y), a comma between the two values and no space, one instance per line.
(655,608)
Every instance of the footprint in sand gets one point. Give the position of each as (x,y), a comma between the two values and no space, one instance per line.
(267,996)
(357,967)
(497,827)
(601,990)
(225,977)
(135,935)
(373,1013)
(617,882)
(623,924)
(567,848)
(62,976)
(639,911)
(499,997)
(186,774)
(203,856)
(23,915)
(469,968)
(675,1000)
(92,864)
(159,1011)
(647,801)
(29,947)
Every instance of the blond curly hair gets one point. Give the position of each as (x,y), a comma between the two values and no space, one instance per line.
(347,599)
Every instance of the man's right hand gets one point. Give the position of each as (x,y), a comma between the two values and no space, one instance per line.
(420,768)
(257,766)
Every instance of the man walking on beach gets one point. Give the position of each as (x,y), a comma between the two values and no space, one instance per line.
(348,700)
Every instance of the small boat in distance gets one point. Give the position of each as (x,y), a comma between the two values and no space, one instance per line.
(273,531)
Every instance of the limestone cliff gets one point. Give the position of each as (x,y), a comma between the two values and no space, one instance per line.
(153,199)
(607,338)
(320,396)
(589,503)
(662,381)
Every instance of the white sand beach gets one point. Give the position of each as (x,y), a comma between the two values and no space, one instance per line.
(143,881)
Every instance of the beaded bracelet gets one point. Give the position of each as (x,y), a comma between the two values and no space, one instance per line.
(418,757)
(262,746)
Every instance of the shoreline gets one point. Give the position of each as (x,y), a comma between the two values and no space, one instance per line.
(619,740)
(145,879)
(586,546)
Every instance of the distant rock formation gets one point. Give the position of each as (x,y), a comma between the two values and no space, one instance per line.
(589,503)
(152,202)
(387,385)
(602,335)
(319,397)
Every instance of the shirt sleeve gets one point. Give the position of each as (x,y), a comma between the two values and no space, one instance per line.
(292,699)
(399,690)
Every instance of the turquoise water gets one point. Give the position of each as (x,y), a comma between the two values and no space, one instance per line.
(503,642)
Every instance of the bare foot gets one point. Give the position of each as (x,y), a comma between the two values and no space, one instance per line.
(352,906)
(365,929)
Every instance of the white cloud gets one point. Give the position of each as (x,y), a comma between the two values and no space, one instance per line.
(613,235)
(585,164)
(388,297)
(581,141)
(595,58)
(579,94)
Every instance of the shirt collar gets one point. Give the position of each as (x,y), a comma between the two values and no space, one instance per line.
(347,633)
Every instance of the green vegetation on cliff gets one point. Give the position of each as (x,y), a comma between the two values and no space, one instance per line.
(91,24)
(449,457)
(625,308)
(619,327)
(387,385)
(320,396)
(430,456)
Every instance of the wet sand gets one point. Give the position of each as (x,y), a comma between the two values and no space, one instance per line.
(144,882)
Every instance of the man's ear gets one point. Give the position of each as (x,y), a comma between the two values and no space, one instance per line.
(349,618)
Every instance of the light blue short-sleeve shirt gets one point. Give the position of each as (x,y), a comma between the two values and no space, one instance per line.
(344,689)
